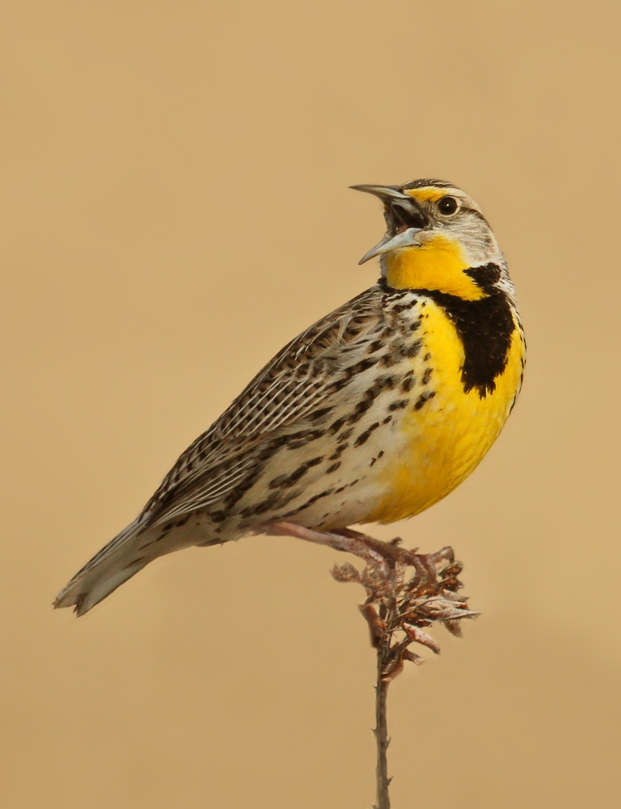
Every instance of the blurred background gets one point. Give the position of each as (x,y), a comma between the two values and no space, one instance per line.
(175,207)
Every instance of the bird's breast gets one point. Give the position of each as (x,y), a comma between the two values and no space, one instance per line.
(448,427)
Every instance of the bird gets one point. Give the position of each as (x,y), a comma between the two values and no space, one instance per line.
(371,415)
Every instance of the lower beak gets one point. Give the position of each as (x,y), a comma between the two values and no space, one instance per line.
(407,238)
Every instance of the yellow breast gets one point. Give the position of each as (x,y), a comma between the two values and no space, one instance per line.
(444,441)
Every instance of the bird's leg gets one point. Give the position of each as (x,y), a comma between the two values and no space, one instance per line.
(425,564)
(347,541)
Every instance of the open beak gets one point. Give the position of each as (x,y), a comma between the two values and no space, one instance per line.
(404,218)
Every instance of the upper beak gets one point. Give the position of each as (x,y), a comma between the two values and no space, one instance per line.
(403,212)
(384,192)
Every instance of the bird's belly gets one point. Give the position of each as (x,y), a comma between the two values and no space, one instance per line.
(443,442)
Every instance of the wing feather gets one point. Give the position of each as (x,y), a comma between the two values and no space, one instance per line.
(303,377)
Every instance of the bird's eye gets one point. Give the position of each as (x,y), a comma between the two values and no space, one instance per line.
(447,205)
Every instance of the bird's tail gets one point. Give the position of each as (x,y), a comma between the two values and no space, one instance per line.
(115,563)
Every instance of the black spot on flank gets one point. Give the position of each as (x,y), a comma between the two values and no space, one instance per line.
(361,366)
(403,307)
(345,434)
(352,371)
(341,383)
(375,346)
(369,396)
(336,426)
(408,382)
(363,405)
(319,414)
(363,437)
(427,375)
(347,486)
(401,404)
(180,523)
(424,397)
(286,481)
(415,326)
(339,451)
(387,420)
(133,562)
(310,502)
(293,441)
(390,359)
(377,457)
(260,508)
(399,348)
(427,357)
(389,381)
(277,443)
(333,468)
(302,438)
(414,349)
(351,332)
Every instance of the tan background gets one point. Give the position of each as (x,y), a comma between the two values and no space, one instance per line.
(174,207)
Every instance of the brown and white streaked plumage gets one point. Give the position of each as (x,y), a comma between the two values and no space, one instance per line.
(372,414)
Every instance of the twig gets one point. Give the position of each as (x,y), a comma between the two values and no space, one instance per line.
(407,592)
(382,741)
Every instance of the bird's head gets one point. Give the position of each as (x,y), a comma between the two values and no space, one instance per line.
(436,237)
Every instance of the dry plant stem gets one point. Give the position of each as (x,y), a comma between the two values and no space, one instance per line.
(381,739)
(400,605)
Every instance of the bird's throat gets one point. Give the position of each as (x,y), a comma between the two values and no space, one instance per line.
(437,264)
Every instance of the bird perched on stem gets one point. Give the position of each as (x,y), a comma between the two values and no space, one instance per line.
(372,414)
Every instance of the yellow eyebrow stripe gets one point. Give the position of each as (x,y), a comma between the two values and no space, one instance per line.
(428,194)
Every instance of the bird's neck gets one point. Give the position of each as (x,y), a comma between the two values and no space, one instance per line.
(437,264)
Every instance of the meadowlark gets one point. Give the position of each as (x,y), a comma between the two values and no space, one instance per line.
(372,414)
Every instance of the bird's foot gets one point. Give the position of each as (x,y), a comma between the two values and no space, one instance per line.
(425,564)
(375,551)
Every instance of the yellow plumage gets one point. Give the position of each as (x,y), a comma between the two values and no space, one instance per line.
(457,429)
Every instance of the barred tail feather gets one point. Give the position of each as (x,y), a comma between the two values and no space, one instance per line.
(115,563)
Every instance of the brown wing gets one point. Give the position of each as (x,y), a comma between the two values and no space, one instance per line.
(301,383)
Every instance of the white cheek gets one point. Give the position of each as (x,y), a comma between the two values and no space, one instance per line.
(480,247)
